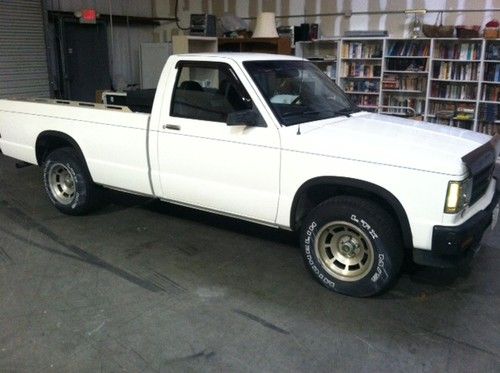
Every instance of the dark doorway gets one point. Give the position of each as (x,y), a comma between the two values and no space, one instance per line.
(85,65)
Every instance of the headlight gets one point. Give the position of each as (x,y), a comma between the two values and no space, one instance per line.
(458,196)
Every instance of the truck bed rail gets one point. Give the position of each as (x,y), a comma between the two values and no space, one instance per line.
(76,104)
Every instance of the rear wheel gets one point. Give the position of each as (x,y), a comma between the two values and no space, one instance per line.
(352,246)
(68,183)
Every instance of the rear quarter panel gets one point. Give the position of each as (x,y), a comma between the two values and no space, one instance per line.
(113,143)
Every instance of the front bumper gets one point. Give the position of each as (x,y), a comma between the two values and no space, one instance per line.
(452,246)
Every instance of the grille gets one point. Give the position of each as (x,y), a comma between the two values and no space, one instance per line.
(481,181)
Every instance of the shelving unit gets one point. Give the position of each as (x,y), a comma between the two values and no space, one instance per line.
(193,44)
(404,83)
(488,119)
(454,83)
(361,70)
(448,81)
(323,53)
(258,45)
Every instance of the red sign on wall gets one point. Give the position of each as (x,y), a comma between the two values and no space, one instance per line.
(88,16)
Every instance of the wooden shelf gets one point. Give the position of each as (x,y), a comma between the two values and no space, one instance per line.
(452,99)
(412,57)
(402,91)
(455,81)
(193,44)
(454,60)
(405,72)
(362,93)
(256,45)
(360,77)
(361,59)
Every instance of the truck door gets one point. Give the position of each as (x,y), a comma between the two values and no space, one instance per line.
(204,162)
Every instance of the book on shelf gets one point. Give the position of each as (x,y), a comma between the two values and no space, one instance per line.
(401,105)
(492,51)
(456,71)
(454,91)
(404,83)
(492,72)
(361,50)
(367,100)
(362,86)
(489,119)
(491,93)
(408,48)
(448,109)
(406,64)
(360,70)
(458,51)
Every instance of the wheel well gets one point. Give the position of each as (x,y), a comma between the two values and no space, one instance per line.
(318,190)
(48,141)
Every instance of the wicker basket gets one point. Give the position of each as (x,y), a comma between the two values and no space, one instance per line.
(491,32)
(438,30)
(467,32)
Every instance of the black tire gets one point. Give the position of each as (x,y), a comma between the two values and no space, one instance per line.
(343,231)
(79,195)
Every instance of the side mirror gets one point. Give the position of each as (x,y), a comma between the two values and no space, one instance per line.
(243,118)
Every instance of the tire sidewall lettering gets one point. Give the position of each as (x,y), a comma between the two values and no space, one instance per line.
(379,271)
(310,236)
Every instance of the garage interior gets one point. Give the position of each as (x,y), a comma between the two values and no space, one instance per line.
(143,285)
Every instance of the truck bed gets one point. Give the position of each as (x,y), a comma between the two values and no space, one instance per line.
(113,139)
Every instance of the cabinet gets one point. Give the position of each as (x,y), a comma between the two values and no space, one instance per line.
(193,44)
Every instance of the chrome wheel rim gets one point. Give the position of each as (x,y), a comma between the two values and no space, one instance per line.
(344,251)
(61,183)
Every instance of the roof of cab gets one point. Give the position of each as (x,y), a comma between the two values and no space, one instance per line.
(239,56)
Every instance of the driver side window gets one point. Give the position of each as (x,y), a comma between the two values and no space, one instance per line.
(208,91)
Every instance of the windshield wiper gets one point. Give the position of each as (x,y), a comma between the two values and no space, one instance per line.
(304,112)
(347,111)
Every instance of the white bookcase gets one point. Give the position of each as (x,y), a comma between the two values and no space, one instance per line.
(450,81)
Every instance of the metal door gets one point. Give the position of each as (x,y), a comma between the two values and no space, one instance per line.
(86,66)
(23,57)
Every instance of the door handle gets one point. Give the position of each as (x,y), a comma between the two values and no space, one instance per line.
(171,127)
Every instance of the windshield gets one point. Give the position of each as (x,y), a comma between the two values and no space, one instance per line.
(297,91)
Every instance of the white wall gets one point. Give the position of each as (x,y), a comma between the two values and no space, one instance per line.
(396,24)
(138,8)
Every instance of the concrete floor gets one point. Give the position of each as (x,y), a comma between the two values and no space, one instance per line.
(150,287)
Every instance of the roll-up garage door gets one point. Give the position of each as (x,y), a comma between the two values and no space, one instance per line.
(23,59)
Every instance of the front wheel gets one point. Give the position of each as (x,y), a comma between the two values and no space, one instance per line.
(68,183)
(352,246)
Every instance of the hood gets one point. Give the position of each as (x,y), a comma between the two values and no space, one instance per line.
(389,140)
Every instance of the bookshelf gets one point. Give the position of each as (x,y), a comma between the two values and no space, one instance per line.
(323,53)
(404,83)
(449,81)
(360,70)
(454,82)
(489,99)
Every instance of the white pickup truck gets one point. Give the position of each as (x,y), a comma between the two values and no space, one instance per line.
(271,139)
